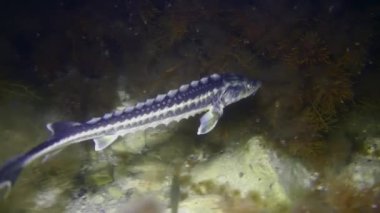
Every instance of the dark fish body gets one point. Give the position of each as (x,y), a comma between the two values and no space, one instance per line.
(209,94)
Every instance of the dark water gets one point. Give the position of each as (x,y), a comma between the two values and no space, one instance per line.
(317,113)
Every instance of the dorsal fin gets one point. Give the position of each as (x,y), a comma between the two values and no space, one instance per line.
(61,127)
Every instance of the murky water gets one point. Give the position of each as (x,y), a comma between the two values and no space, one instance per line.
(308,141)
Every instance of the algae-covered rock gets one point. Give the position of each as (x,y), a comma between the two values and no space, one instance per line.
(248,169)
(255,168)
(100,177)
(253,177)
(98,199)
(204,204)
(371,148)
(131,143)
(115,192)
(145,178)
(364,168)
(47,197)
(136,142)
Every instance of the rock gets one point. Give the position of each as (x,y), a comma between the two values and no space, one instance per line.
(98,199)
(253,177)
(47,198)
(131,143)
(143,205)
(365,173)
(136,142)
(364,168)
(371,148)
(255,168)
(100,177)
(115,192)
(204,204)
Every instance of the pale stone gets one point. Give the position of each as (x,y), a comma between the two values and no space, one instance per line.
(255,168)
(115,192)
(98,199)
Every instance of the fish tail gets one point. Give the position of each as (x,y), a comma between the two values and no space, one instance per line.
(9,173)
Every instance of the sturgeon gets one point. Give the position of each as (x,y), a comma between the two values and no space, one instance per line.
(209,94)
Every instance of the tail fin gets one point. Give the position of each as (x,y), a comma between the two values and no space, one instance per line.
(9,173)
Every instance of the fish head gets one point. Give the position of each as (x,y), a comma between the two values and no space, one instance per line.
(237,87)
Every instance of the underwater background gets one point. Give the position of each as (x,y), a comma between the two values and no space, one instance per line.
(308,141)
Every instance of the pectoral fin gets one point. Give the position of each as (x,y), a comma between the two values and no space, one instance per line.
(7,186)
(209,121)
(103,142)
